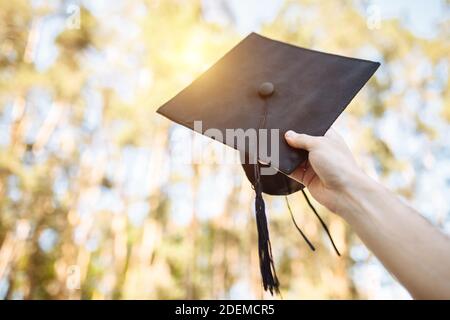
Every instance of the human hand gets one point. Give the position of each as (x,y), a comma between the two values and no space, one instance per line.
(330,169)
(377,215)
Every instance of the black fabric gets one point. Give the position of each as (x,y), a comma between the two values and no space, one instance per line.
(311,89)
(275,185)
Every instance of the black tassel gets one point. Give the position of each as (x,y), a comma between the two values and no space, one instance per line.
(266,265)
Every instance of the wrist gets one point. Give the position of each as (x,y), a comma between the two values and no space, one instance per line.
(355,195)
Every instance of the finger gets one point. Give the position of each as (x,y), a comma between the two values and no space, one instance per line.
(303,174)
(301,141)
(299,173)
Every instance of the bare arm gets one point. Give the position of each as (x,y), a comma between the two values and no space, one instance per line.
(412,249)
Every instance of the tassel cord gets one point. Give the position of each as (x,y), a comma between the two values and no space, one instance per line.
(266,264)
(267,267)
(321,222)
(298,228)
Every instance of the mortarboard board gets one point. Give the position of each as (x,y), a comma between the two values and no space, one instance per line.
(267,84)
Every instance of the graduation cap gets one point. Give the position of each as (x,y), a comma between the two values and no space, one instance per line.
(269,86)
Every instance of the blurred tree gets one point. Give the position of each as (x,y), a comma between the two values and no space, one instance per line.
(93,203)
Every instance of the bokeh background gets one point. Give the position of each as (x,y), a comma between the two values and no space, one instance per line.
(95,200)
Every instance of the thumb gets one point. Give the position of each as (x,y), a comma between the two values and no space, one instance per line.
(300,140)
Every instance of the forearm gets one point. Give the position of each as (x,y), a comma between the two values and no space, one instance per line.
(408,246)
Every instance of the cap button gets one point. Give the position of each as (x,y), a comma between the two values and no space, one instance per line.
(266,89)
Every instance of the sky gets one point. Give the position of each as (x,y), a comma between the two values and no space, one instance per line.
(418,16)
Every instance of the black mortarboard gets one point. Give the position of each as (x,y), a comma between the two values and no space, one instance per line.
(267,84)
